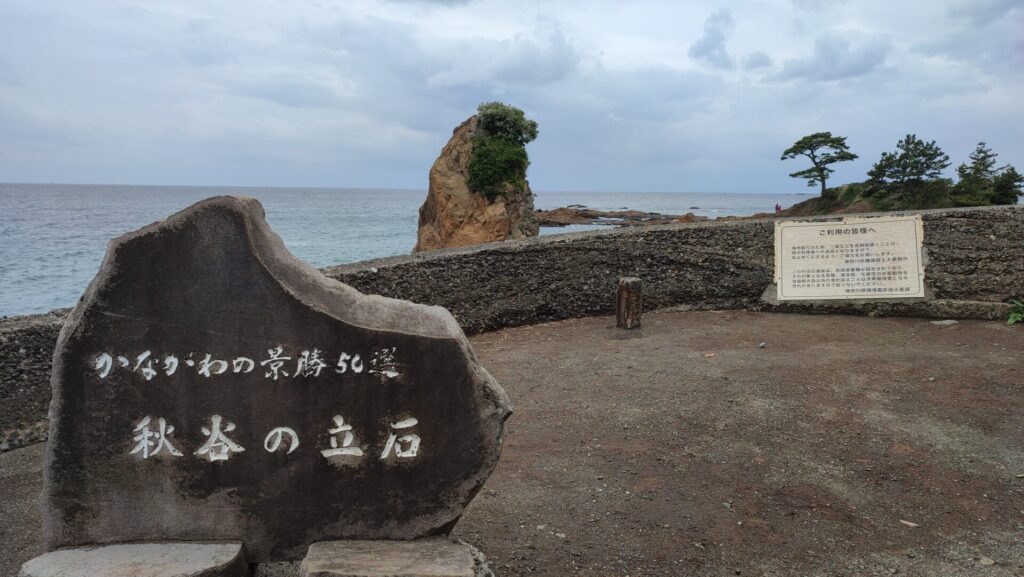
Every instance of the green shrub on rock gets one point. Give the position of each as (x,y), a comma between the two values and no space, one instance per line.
(496,163)
(506,122)
(499,161)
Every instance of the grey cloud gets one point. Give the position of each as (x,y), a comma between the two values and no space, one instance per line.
(995,49)
(430,2)
(202,45)
(362,37)
(710,47)
(982,12)
(190,42)
(624,129)
(8,74)
(665,95)
(813,4)
(541,59)
(379,68)
(836,58)
(211,93)
(32,128)
(756,60)
(434,2)
(291,93)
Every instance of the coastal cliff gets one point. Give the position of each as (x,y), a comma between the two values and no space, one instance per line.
(454,215)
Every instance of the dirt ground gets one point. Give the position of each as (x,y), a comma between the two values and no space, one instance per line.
(841,446)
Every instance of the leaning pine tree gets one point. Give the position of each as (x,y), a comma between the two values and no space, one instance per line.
(822,149)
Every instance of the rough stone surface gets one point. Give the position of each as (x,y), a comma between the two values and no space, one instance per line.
(452,215)
(215,280)
(972,269)
(142,560)
(26,352)
(629,303)
(422,558)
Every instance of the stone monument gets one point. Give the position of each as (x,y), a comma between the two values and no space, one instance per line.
(211,387)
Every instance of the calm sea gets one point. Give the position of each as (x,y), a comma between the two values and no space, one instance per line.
(52,237)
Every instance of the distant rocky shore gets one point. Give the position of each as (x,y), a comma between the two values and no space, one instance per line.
(580,214)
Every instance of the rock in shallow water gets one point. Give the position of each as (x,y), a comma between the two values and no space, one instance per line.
(453,215)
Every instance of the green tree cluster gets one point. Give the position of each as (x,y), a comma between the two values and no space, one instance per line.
(911,177)
(499,158)
(982,183)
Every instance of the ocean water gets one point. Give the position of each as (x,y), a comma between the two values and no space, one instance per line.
(53,237)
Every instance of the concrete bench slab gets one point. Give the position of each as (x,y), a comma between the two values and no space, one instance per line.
(142,560)
(434,557)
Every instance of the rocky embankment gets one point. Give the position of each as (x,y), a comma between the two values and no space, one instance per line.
(26,353)
(578,214)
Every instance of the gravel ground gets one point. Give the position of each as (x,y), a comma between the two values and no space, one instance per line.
(841,446)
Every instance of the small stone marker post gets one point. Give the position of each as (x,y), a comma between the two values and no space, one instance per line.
(629,302)
(209,386)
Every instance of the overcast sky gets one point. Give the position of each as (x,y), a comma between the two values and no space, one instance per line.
(630,95)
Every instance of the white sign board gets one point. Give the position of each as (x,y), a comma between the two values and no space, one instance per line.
(857,258)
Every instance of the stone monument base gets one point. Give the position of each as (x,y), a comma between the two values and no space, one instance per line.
(432,557)
(142,560)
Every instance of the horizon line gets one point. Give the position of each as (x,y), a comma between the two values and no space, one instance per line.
(385,188)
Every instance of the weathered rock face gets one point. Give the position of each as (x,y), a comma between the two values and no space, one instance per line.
(452,215)
(211,386)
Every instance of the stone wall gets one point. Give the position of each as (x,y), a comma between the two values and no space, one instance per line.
(26,353)
(974,261)
(974,264)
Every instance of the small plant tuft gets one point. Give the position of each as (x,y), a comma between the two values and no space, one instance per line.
(1016,313)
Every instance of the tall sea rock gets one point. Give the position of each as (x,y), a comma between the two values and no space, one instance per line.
(453,215)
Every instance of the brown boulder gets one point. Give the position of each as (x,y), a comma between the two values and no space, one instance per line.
(452,215)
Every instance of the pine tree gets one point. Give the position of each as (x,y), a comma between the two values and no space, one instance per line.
(822,149)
